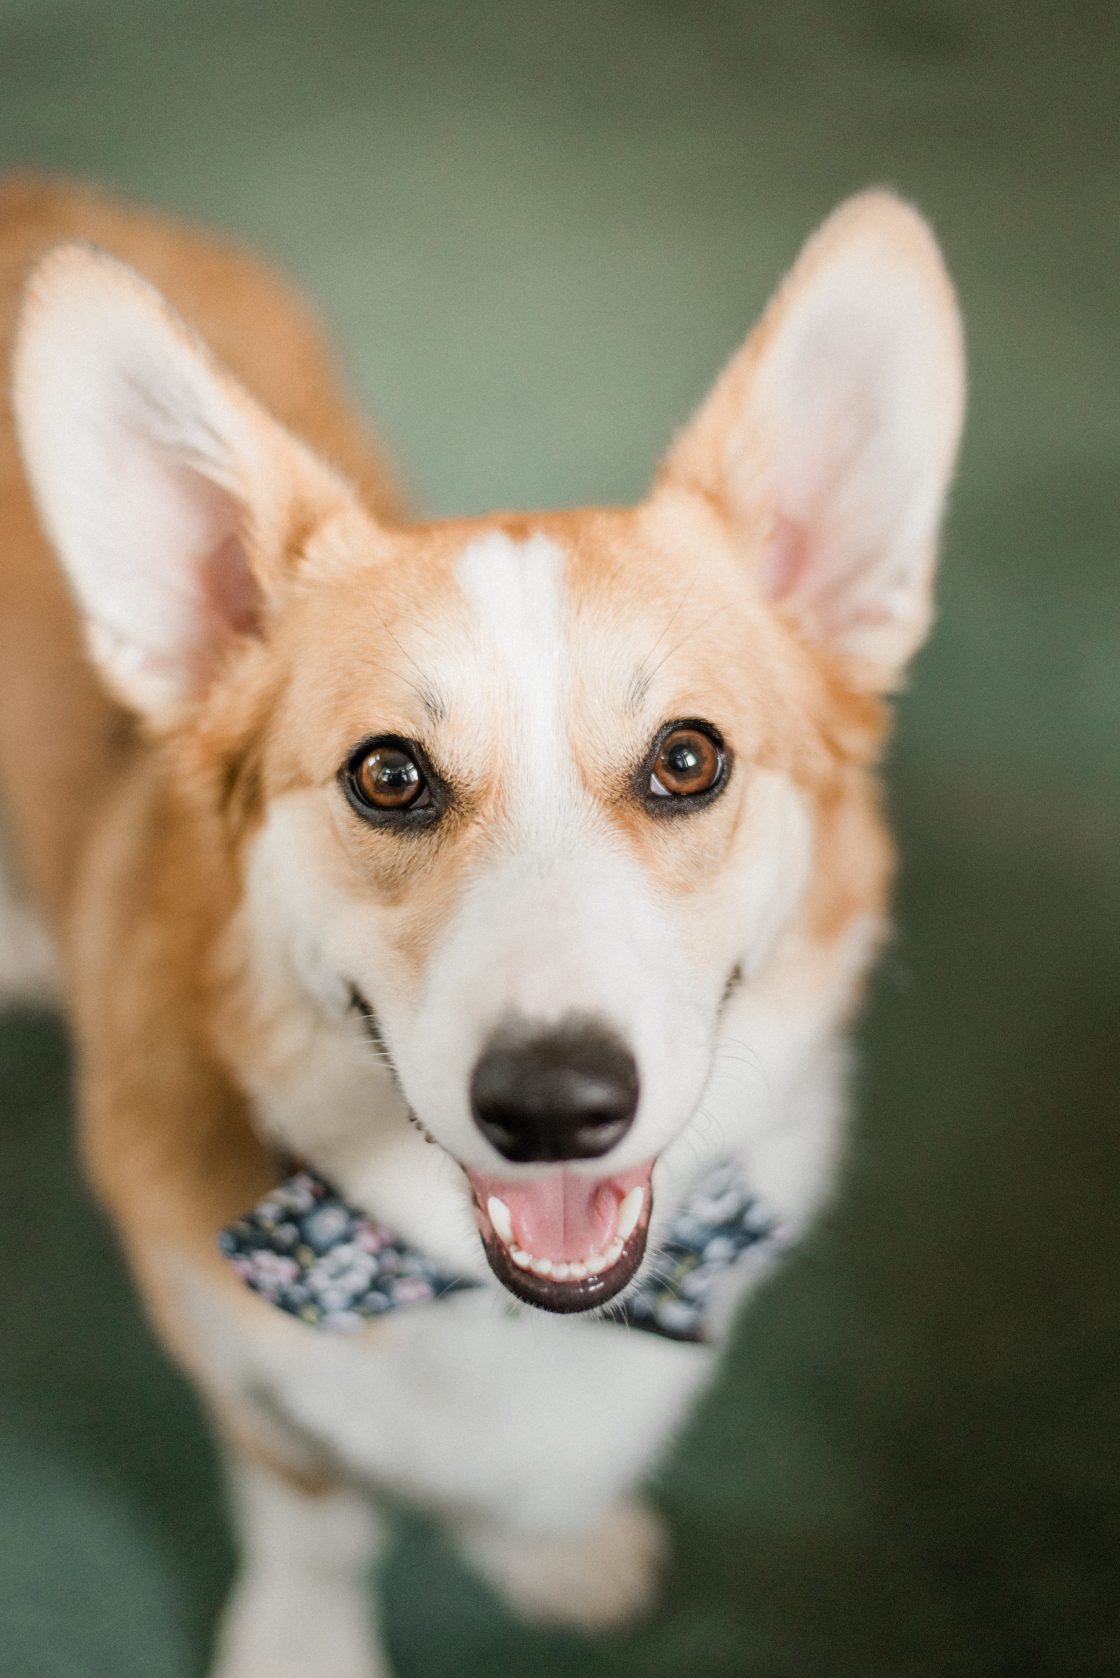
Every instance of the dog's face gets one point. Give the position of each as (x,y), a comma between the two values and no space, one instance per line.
(548,798)
(530,801)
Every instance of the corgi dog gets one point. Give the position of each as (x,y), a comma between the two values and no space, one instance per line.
(507,873)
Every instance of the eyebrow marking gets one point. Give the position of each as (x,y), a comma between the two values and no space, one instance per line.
(637,691)
(425,691)
(433,703)
(643,675)
(687,636)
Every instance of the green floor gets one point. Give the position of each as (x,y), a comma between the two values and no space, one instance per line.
(538,227)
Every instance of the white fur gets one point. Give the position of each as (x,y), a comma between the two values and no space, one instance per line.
(473,1407)
(832,436)
(300,1604)
(154,475)
(862,399)
(596,1580)
(828,446)
(519,636)
(133,454)
(28,964)
(615,951)
(527,1433)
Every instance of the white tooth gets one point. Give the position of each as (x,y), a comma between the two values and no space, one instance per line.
(629,1212)
(501,1222)
(521,1258)
(561,1272)
(577,1272)
(541,1267)
(614,1252)
(597,1262)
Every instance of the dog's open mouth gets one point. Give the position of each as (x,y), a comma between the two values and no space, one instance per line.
(564,1242)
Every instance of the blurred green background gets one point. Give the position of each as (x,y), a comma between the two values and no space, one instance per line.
(537,229)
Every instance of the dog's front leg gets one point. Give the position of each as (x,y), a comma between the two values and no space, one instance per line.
(301,1604)
(592,1578)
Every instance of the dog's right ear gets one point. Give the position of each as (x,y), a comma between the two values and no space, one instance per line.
(171,498)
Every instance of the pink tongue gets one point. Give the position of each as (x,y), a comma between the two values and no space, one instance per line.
(561,1217)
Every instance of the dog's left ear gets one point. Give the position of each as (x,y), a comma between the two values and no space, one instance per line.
(829,441)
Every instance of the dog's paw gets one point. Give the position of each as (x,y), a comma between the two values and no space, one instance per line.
(278,1627)
(593,1581)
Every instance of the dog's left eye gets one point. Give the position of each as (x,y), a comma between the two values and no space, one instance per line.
(686,762)
(385,778)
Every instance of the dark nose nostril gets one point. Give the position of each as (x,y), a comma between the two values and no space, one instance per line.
(570,1093)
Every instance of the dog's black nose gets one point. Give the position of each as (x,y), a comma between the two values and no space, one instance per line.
(569,1093)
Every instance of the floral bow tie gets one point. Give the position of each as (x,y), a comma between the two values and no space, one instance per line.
(306,1251)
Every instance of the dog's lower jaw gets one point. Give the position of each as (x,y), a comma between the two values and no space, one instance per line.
(564,1298)
(589,1234)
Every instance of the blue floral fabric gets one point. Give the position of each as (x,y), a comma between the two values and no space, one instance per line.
(307,1252)
(719,1224)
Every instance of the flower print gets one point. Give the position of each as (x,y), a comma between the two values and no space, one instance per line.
(328,1224)
(298,1195)
(344,1271)
(272,1270)
(343,1322)
(369,1237)
(307,1251)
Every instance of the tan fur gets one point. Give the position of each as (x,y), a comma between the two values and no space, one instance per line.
(792,709)
(57,729)
(74,771)
(91,803)
(136,848)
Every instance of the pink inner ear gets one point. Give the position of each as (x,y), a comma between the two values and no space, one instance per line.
(208,517)
(230,591)
(785,569)
(827,606)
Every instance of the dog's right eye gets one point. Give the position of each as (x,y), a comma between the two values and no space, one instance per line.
(387,779)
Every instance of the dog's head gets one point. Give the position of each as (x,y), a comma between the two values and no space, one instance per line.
(527,813)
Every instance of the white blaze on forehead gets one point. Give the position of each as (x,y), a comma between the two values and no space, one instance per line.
(516,592)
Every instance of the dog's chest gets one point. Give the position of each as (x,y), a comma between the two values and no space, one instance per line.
(462,1405)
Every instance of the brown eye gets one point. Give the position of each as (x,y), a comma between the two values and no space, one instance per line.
(385,777)
(689,761)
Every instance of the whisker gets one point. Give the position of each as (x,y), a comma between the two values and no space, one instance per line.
(644,676)
(677,645)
